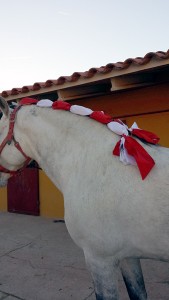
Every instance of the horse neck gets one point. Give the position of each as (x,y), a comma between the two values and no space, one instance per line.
(60,141)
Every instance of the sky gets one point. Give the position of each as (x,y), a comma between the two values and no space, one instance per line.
(46,39)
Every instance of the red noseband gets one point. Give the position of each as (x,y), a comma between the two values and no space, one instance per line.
(9,138)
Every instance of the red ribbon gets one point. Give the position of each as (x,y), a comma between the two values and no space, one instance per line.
(146,135)
(101,117)
(28,101)
(59,104)
(144,161)
(116,150)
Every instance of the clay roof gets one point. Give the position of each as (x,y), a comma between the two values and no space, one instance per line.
(77,77)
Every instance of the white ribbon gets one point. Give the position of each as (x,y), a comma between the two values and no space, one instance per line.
(125,158)
(44,103)
(80,110)
(122,129)
(134,126)
(118,128)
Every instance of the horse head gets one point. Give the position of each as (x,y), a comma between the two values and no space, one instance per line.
(11,159)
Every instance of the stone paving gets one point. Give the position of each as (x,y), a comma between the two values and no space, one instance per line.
(39,261)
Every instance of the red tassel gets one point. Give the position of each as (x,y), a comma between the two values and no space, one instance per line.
(144,160)
(146,135)
(101,117)
(28,101)
(59,104)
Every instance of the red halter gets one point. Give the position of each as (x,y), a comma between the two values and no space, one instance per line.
(9,138)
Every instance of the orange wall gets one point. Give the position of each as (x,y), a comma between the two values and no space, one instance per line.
(157,123)
(131,102)
(3,199)
(51,200)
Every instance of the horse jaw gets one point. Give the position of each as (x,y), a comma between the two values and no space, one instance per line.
(4,107)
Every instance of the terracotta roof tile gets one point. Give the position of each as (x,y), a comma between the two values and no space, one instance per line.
(138,61)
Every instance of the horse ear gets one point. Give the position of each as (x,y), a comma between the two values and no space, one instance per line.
(4,106)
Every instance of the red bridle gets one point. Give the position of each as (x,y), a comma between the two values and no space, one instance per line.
(8,139)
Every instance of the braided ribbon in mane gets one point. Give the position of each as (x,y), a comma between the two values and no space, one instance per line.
(127,148)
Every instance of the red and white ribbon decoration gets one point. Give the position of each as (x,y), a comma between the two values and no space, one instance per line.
(129,150)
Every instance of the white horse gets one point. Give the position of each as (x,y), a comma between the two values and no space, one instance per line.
(113,215)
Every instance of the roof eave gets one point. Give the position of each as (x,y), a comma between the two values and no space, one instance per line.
(99,76)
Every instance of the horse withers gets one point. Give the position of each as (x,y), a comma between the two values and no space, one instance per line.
(113,215)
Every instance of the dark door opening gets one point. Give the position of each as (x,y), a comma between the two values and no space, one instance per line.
(23,192)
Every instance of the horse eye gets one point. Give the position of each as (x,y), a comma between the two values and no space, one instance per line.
(0,115)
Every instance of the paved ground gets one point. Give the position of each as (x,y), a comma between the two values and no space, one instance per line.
(39,261)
